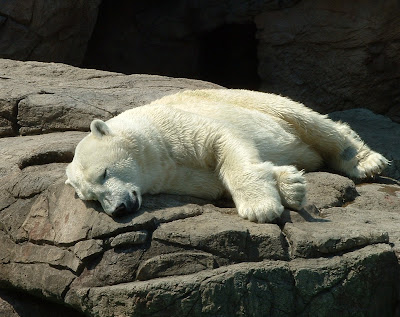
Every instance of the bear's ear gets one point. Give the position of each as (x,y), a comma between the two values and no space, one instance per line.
(99,128)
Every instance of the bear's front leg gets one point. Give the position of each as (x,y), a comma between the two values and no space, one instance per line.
(254,190)
(232,156)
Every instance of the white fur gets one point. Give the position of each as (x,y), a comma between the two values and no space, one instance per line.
(207,143)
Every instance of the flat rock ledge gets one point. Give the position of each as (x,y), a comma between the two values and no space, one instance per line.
(178,256)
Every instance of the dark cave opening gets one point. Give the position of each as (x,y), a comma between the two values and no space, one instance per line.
(123,41)
(228,56)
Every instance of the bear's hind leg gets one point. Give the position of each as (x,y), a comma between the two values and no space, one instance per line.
(370,165)
(339,146)
(356,159)
(291,186)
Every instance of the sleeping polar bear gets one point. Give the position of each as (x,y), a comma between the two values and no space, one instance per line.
(249,145)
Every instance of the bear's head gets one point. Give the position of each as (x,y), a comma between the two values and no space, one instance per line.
(103,169)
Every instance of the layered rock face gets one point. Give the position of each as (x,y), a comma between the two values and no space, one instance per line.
(331,55)
(178,255)
(334,55)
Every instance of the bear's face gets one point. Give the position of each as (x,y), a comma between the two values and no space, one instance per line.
(103,169)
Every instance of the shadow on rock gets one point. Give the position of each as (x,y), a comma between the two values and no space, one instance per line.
(310,213)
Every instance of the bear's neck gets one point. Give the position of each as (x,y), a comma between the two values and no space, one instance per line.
(167,157)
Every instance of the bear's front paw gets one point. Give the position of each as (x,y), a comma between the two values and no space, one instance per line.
(262,211)
(291,186)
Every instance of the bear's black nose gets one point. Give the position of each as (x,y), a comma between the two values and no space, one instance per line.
(121,210)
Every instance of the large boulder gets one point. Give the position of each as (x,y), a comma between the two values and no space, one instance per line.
(40,98)
(178,255)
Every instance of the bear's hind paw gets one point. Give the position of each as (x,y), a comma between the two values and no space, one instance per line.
(370,165)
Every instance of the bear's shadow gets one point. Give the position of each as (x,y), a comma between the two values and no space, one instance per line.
(161,202)
(152,203)
(309,213)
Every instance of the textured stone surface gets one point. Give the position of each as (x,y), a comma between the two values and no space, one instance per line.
(378,197)
(178,263)
(182,255)
(333,55)
(272,288)
(37,150)
(373,219)
(87,249)
(39,30)
(46,97)
(38,279)
(226,236)
(329,190)
(309,240)
(129,238)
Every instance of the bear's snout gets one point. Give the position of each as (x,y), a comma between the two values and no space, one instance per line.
(121,210)
(128,207)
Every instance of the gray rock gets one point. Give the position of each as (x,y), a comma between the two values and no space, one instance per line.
(178,263)
(111,268)
(225,236)
(129,238)
(38,279)
(329,65)
(377,197)
(309,240)
(54,256)
(41,98)
(354,283)
(58,216)
(327,54)
(342,287)
(329,190)
(18,154)
(86,249)
(29,165)
(380,220)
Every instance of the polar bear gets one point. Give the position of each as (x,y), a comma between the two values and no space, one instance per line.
(251,146)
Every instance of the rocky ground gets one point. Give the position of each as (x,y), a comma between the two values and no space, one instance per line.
(178,255)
